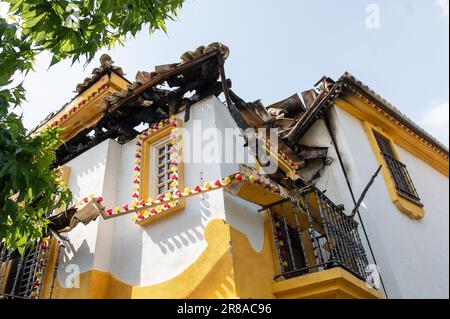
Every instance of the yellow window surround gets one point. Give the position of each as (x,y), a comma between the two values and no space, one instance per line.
(148,182)
(411,208)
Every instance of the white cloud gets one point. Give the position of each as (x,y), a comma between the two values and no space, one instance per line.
(444,5)
(435,121)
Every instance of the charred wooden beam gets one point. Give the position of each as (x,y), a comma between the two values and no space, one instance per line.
(181,69)
(316,111)
(160,97)
(120,124)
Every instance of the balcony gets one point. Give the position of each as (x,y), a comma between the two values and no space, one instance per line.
(20,276)
(318,249)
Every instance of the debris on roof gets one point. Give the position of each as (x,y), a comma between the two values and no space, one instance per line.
(146,79)
(152,97)
(106,65)
(172,88)
(201,50)
(395,112)
(319,100)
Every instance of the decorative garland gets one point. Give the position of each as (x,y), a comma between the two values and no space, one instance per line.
(79,106)
(173,168)
(281,155)
(262,182)
(281,245)
(169,200)
(145,208)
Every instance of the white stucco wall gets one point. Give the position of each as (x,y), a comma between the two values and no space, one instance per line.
(159,251)
(240,214)
(412,254)
(332,182)
(154,253)
(87,173)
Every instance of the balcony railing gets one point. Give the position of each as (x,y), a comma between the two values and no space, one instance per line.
(19,274)
(314,234)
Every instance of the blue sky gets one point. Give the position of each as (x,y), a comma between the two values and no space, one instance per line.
(282,47)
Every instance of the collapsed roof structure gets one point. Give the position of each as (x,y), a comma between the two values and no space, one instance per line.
(172,88)
(118,107)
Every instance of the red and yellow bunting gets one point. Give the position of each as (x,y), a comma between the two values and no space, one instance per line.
(79,106)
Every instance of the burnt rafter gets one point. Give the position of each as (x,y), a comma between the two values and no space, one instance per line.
(151,104)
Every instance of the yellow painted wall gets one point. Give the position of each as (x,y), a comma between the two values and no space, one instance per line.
(253,270)
(210,276)
(218,273)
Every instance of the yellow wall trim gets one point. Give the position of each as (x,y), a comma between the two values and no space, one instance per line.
(4,270)
(401,135)
(92,111)
(406,206)
(334,283)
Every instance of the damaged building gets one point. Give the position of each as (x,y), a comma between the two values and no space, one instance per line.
(349,199)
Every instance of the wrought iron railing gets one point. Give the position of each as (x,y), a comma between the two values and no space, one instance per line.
(401,177)
(21,275)
(317,236)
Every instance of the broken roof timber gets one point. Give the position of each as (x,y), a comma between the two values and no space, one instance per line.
(349,84)
(160,78)
(314,112)
(392,110)
(129,108)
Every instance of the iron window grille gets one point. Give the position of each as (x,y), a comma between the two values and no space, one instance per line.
(163,174)
(398,171)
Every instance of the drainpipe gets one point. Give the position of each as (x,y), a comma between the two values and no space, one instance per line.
(341,162)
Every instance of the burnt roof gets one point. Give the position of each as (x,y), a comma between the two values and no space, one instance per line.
(160,93)
(106,66)
(142,77)
(152,97)
(330,90)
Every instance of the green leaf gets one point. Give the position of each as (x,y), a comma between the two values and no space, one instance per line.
(28,187)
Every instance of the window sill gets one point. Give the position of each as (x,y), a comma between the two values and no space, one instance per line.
(409,207)
(179,207)
(415,201)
